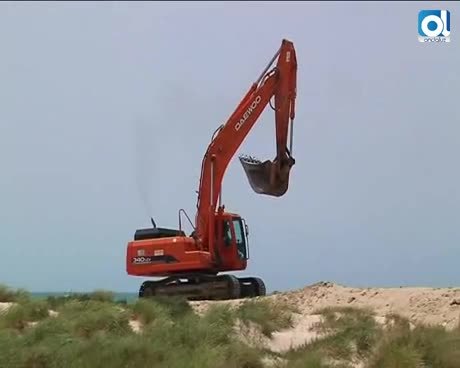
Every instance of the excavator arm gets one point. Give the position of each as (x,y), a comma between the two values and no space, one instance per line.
(269,177)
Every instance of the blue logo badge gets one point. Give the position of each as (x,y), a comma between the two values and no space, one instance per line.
(434,26)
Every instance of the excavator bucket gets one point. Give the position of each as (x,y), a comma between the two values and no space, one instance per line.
(264,177)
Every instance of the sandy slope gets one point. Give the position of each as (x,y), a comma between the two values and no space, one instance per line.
(4,306)
(439,306)
(420,305)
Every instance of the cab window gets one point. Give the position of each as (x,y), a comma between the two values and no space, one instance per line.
(227,233)
(240,238)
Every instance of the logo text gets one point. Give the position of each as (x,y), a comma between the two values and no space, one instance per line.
(248,113)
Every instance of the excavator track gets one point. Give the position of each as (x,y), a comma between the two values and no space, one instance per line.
(252,287)
(204,287)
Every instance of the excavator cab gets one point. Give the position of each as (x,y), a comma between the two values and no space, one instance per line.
(232,241)
(239,236)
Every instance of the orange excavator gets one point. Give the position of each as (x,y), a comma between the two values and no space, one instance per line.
(191,266)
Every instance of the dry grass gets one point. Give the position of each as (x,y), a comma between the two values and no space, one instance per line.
(92,330)
(20,315)
(271,316)
(8,294)
(424,346)
(95,332)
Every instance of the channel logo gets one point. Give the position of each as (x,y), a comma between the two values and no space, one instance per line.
(434,26)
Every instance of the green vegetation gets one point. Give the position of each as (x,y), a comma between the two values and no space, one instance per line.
(92,330)
(9,295)
(270,316)
(18,316)
(352,335)
(96,295)
(422,346)
(348,334)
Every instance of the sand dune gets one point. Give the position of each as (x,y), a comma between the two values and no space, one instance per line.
(432,306)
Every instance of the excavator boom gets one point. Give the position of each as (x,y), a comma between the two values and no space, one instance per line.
(268,177)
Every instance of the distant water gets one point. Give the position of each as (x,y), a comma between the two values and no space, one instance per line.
(129,297)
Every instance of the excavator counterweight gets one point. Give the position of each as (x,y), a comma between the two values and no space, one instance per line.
(189,265)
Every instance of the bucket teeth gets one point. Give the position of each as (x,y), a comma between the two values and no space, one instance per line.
(249,159)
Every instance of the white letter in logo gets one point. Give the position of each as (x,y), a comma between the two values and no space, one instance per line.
(247,113)
(445,32)
(441,25)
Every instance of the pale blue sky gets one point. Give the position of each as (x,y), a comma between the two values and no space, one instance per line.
(106,110)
